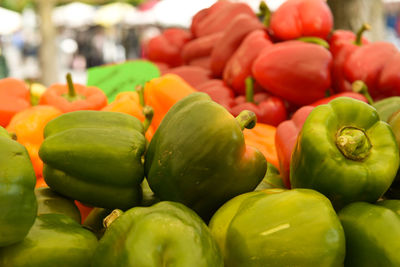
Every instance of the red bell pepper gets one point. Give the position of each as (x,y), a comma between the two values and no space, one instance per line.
(220,16)
(297,18)
(389,80)
(219,92)
(268,109)
(285,140)
(231,39)
(367,64)
(167,46)
(202,62)
(238,68)
(296,71)
(193,75)
(73,97)
(342,44)
(14,97)
(199,47)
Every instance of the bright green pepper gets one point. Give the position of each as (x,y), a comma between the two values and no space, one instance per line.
(372,235)
(345,152)
(17,199)
(279,227)
(198,155)
(54,240)
(394,122)
(95,157)
(51,202)
(165,234)
(387,107)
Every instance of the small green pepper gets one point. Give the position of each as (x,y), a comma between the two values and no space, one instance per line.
(95,157)
(18,204)
(165,234)
(345,152)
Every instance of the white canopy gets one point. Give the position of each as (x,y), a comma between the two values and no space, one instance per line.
(10,21)
(74,15)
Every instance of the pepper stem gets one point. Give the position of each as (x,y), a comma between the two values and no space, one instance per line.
(246,119)
(112,217)
(264,13)
(353,143)
(361,88)
(249,89)
(314,40)
(140,90)
(71,88)
(148,113)
(360,32)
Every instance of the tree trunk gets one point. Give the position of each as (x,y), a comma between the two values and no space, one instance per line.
(48,49)
(351,14)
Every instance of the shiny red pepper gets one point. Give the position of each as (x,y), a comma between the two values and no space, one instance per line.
(220,15)
(368,64)
(193,75)
(296,71)
(285,140)
(389,79)
(342,44)
(268,109)
(199,47)
(219,92)
(298,18)
(238,68)
(235,32)
(167,46)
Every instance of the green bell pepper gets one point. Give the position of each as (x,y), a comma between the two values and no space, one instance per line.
(345,152)
(51,202)
(198,155)
(95,157)
(387,107)
(372,235)
(394,189)
(94,221)
(279,227)
(17,198)
(53,240)
(165,234)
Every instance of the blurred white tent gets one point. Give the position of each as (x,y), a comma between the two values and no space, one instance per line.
(114,13)
(10,21)
(74,15)
(137,17)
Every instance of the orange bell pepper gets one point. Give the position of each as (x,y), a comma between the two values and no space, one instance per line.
(28,125)
(73,97)
(163,92)
(129,103)
(262,136)
(14,97)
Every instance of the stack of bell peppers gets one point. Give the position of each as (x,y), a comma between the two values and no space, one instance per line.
(259,140)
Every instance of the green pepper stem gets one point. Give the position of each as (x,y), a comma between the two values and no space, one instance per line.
(71,88)
(249,89)
(360,32)
(148,113)
(112,217)
(265,13)
(361,88)
(353,143)
(246,119)
(140,90)
(314,40)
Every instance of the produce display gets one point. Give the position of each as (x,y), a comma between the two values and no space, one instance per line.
(251,139)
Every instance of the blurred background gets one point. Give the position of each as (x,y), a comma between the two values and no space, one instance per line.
(41,40)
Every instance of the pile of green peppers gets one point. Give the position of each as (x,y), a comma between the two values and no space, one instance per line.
(197,195)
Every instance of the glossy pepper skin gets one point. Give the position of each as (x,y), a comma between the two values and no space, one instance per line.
(231,39)
(77,147)
(14,97)
(238,67)
(372,233)
(272,227)
(296,71)
(345,152)
(268,109)
(200,47)
(219,92)
(181,165)
(17,198)
(165,234)
(54,240)
(72,97)
(298,18)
